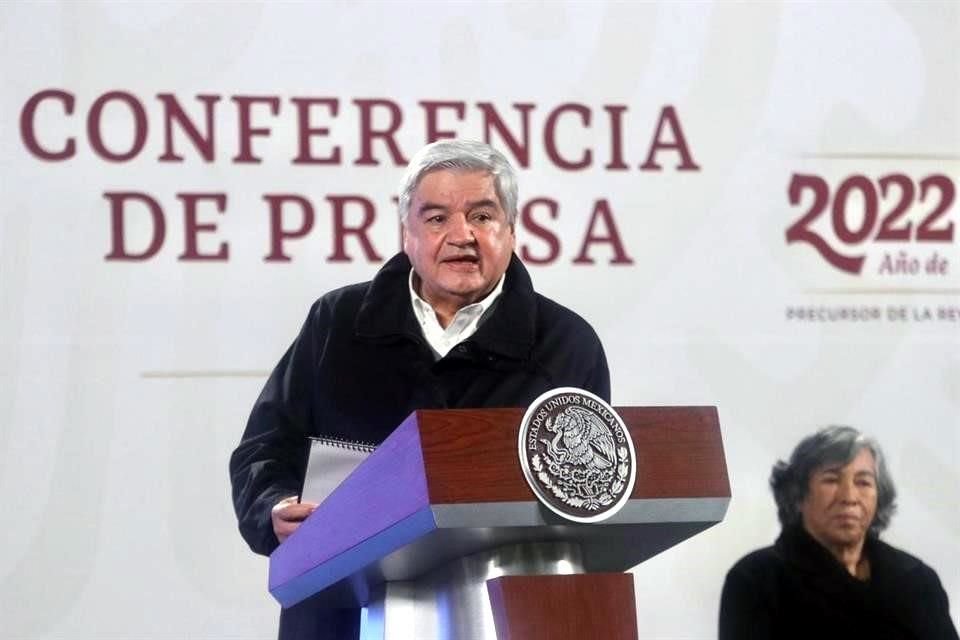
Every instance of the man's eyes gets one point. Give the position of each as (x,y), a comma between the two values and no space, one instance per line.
(476,216)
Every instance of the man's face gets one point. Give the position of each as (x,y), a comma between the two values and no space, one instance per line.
(457,237)
(841,501)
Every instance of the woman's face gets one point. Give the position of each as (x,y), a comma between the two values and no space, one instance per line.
(841,501)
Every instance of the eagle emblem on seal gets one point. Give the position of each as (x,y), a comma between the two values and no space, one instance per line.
(581,439)
(577,455)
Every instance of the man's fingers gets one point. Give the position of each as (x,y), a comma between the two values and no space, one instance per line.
(288,514)
(295,512)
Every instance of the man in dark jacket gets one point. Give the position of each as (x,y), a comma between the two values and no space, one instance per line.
(452,322)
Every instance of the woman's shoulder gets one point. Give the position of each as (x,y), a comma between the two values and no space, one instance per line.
(758,564)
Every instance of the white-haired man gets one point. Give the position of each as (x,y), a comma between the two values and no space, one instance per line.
(451,322)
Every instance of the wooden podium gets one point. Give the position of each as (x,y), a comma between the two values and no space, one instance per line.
(439,536)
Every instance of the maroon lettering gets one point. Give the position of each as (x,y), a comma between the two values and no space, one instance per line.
(174,113)
(492,120)
(802,230)
(29,135)
(839,210)
(118,248)
(341,230)
(602,213)
(888,229)
(368,132)
(668,118)
(550,137)
(305,131)
(380,125)
(926,232)
(246,130)
(94,125)
(431,107)
(192,227)
(533,227)
(616,137)
(278,233)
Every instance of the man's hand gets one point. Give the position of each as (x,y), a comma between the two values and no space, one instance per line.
(288,514)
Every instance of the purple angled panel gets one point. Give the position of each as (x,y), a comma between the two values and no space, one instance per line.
(386,489)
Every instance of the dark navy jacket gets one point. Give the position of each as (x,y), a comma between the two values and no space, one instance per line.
(360,365)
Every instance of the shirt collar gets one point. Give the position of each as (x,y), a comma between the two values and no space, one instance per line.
(462,326)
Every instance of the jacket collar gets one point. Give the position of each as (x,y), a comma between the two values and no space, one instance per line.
(799,547)
(803,550)
(508,329)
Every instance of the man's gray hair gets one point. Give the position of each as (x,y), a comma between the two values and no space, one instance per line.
(461,155)
(790,481)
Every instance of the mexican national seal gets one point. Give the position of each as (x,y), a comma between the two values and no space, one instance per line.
(577,455)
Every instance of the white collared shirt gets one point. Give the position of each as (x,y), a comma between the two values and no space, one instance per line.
(464,324)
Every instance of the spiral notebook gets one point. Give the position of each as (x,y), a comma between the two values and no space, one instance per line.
(329,463)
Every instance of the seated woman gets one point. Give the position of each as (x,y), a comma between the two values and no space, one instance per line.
(829,575)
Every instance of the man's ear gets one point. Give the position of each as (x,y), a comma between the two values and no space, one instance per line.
(403,236)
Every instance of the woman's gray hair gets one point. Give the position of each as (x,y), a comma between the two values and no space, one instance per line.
(790,481)
(461,155)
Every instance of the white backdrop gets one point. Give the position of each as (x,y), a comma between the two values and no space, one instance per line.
(124,385)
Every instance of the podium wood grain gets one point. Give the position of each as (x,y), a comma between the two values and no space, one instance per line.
(572,607)
(679,454)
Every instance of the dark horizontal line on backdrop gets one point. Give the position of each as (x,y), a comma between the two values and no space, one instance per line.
(856,155)
(877,292)
(204,374)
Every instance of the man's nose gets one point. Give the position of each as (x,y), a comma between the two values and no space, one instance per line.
(460,232)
